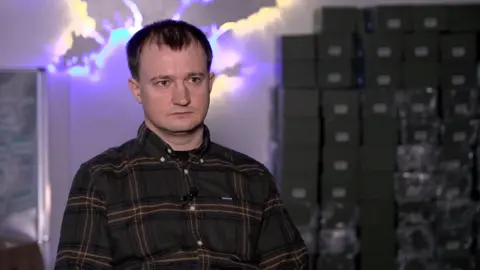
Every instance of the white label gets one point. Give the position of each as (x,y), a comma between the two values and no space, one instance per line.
(340,108)
(384,52)
(342,137)
(458,80)
(421,52)
(384,80)
(334,77)
(380,108)
(340,165)
(335,50)
(394,23)
(430,23)
(339,192)
(458,52)
(299,193)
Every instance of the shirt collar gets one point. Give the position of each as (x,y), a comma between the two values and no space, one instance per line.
(160,149)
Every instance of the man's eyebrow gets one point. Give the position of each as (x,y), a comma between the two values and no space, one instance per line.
(196,74)
(169,77)
(160,77)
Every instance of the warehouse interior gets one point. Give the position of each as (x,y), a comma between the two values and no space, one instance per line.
(380,128)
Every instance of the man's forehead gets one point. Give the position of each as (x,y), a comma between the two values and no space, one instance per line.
(192,47)
(165,62)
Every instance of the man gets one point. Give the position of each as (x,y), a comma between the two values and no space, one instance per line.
(171,198)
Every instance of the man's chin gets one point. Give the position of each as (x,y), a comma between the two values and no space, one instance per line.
(183,129)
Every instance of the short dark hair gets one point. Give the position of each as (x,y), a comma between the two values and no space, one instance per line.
(175,34)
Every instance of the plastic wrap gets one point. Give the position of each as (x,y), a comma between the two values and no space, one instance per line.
(453,242)
(433,188)
(332,262)
(418,103)
(415,213)
(339,214)
(459,103)
(459,132)
(456,263)
(448,186)
(453,185)
(430,158)
(415,242)
(414,186)
(454,214)
(339,242)
(420,131)
(417,264)
(454,158)
(417,158)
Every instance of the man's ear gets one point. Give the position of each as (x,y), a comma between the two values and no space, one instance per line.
(135,89)
(211,81)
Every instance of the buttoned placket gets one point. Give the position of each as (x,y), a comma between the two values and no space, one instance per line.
(184,167)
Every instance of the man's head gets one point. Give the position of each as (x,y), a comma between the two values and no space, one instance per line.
(170,66)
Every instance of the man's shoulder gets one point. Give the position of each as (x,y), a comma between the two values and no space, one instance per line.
(239,161)
(114,156)
(112,161)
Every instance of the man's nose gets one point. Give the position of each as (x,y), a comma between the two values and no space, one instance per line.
(181,95)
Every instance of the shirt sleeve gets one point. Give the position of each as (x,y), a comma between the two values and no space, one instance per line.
(84,241)
(280,245)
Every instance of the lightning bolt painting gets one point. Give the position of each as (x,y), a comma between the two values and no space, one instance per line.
(83,32)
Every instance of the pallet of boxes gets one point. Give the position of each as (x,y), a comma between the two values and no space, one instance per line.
(381,119)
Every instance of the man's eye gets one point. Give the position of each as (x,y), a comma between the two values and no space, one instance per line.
(162,83)
(195,80)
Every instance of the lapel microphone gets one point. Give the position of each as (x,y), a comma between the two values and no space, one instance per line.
(192,193)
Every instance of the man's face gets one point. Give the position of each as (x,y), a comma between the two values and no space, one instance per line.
(173,87)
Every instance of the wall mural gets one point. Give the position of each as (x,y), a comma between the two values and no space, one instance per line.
(85,45)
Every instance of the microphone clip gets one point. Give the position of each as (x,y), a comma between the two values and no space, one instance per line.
(188,198)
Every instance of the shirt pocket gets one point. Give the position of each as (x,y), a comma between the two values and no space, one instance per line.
(230,226)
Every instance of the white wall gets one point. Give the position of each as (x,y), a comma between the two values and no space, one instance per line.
(59,171)
(103,114)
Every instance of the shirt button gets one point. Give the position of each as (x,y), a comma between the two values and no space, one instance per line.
(185,171)
(162,159)
(201,160)
(169,151)
(192,208)
(200,243)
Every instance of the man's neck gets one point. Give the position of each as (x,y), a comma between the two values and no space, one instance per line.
(180,141)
